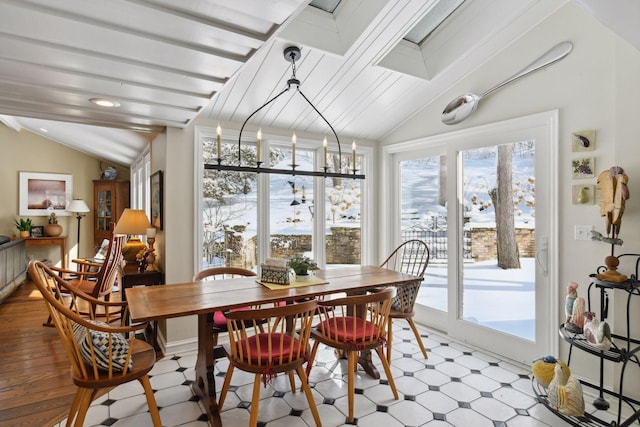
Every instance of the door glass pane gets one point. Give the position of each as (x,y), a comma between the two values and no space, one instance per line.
(104,210)
(424,217)
(499,228)
(291,206)
(342,213)
(229,209)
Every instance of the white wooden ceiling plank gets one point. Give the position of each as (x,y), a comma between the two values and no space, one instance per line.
(39,60)
(29,94)
(72,116)
(262,78)
(123,48)
(158,22)
(276,11)
(116,114)
(121,145)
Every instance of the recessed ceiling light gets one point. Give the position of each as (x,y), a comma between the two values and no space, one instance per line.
(43,130)
(103,102)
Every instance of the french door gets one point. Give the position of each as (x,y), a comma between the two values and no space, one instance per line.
(483,200)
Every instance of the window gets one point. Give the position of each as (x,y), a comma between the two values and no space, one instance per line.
(139,186)
(245,217)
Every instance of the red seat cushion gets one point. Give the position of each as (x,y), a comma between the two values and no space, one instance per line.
(220,321)
(290,347)
(342,329)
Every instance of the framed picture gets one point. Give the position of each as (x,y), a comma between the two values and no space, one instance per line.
(37,231)
(156,200)
(584,140)
(583,194)
(43,193)
(583,168)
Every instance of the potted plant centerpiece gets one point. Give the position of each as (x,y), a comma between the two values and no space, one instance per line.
(301,266)
(24,226)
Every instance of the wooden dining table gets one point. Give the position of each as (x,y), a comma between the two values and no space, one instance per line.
(203,298)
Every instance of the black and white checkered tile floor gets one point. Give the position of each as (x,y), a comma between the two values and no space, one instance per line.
(456,386)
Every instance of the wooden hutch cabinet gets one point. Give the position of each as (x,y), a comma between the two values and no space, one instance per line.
(110,199)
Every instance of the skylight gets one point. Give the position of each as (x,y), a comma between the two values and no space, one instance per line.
(432,20)
(326,5)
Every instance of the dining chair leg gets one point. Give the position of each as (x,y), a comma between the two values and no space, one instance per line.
(292,381)
(312,357)
(225,386)
(83,407)
(151,401)
(255,401)
(73,410)
(389,338)
(309,395)
(215,339)
(352,365)
(387,371)
(414,328)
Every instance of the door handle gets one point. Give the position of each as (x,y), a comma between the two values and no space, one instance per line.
(542,255)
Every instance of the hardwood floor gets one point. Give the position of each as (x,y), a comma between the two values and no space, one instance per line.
(35,382)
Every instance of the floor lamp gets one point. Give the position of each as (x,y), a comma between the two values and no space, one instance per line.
(80,208)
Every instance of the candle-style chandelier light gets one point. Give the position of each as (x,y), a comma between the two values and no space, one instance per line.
(291,54)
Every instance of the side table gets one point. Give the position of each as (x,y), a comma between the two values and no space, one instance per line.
(130,277)
(61,241)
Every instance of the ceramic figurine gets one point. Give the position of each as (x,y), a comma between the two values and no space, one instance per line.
(543,369)
(577,317)
(572,294)
(573,309)
(565,393)
(597,334)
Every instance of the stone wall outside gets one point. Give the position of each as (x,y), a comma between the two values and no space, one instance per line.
(343,245)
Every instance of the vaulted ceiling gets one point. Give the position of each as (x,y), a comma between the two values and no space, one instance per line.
(168,62)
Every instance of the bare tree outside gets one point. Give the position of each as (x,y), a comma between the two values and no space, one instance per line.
(222,198)
(503,202)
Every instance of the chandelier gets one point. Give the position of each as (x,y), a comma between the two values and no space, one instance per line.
(291,54)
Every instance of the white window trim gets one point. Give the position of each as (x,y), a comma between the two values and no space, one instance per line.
(389,176)
(139,174)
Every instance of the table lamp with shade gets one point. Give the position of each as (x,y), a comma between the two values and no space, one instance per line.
(80,208)
(133,222)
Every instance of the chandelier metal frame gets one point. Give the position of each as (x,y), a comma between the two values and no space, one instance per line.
(291,54)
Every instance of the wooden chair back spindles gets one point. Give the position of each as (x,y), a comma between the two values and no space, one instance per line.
(218,318)
(97,279)
(269,341)
(352,324)
(101,355)
(411,257)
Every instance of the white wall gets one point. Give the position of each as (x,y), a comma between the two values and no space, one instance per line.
(595,87)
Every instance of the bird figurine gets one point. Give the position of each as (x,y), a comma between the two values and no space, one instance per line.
(614,191)
(576,324)
(573,309)
(597,236)
(572,294)
(597,334)
(543,369)
(565,393)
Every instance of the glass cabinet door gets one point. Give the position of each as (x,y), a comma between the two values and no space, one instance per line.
(104,210)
